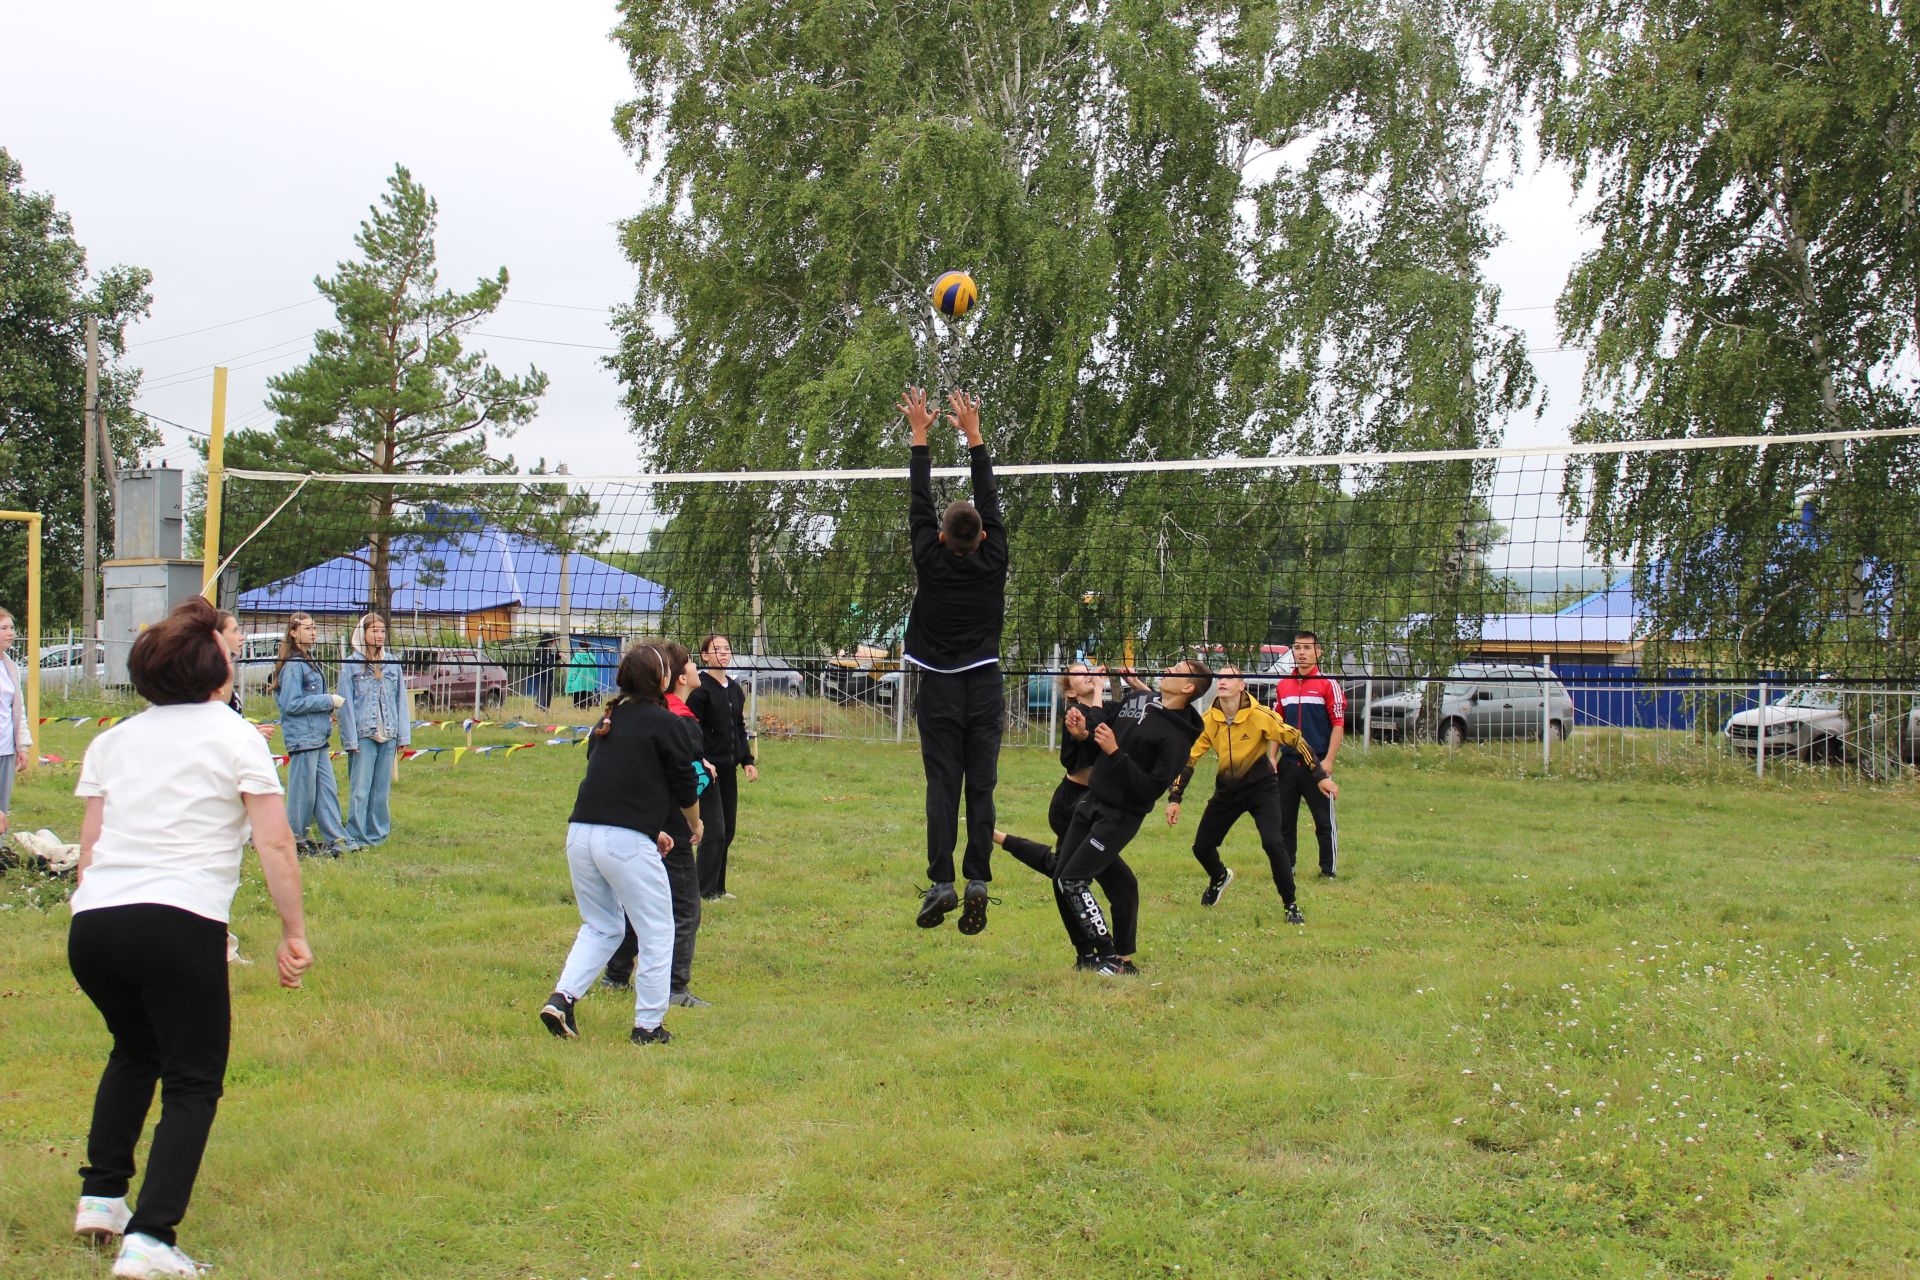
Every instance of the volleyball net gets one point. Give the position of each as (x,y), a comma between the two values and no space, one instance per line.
(1406,566)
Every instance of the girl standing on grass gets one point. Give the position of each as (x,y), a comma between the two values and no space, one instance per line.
(299,686)
(16,739)
(1086,711)
(373,728)
(170,797)
(236,649)
(683,875)
(721,704)
(639,772)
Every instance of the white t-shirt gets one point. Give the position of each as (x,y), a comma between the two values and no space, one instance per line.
(175,820)
(8,692)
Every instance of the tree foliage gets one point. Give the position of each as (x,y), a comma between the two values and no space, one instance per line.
(390,390)
(46,297)
(1754,167)
(1200,230)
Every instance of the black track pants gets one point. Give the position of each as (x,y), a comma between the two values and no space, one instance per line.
(1093,843)
(158,975)
(1259,798)
(1117,881)
(961,719)
(1297,783)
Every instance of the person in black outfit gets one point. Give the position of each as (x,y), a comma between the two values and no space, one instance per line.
(1085,713)
(953,637)
(721,704)
(683,875)
(546,657)
(1135,767)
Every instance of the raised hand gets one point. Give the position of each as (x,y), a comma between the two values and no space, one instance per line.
(913,404)
(964,415)
(1104,739)
(1077,724)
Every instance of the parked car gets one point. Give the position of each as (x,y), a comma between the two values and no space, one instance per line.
(768,675)
(1808,722)
(62,667)
(447,677)
(869,674)
(1481,702)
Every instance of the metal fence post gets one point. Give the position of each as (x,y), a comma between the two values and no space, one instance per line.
(1760,740)
(1546,714)
(900,706)
(1366,714)
(1053,709)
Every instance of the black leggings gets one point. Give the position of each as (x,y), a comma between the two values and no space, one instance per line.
(719,810)
(1260,797)
(158,975)
(1117,881)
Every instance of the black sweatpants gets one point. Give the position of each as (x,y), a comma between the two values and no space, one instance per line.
(683,877)
(1093,843)
(719,810)
(961,719)
(1297,783)
(158,975)
(1117,881)
(1258,796)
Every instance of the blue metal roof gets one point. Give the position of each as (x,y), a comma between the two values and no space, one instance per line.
(484,568)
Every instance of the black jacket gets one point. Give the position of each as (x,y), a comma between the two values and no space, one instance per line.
(722,710)
(960,602)
(640,774)
(1075,753)
(1150,757)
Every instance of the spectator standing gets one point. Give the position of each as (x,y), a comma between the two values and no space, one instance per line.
(583,678)
(1317,707)
(16,736)
(171,795)
(373,728)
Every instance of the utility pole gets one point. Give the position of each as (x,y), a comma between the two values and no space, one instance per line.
(89,517)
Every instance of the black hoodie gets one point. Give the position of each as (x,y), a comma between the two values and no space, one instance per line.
(1151,755)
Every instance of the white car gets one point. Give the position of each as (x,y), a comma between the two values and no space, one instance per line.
(61,667)
(1808,722)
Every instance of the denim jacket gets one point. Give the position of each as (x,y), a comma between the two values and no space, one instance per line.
(306,704)
(376,699)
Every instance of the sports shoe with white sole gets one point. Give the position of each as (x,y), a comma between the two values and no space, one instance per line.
(1293,914)
(144,1258)
(1216,885)
(557,1014)
(101,1220)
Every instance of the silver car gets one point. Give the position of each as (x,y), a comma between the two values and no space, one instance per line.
(62,668)
(1481,702)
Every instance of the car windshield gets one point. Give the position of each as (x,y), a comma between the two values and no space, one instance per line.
(1458,689)
(1811,699)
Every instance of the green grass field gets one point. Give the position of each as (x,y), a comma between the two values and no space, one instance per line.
(1540,1028)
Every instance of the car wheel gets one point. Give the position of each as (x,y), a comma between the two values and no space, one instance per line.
(492,699)
(1452,733)
(1560,730)
(1826,751)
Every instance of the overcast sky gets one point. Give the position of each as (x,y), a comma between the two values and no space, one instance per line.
(235,154)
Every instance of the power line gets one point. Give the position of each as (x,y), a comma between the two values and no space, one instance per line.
(545,342)
(558,306)
(202,377)
(225,324)
(154,417)
(228,360)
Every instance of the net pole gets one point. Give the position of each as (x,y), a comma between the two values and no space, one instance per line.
(1546,714)
(216,476)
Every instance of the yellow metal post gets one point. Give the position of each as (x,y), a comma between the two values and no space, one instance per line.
(32,520)
(216,473)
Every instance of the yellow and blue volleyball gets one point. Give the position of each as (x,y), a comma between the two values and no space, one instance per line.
(954,294)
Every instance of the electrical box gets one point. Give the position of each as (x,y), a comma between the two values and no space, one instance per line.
(148,524)
(138,594)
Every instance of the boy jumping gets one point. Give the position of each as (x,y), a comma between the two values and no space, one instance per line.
(953,637)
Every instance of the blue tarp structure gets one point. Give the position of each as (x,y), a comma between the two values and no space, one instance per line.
(460,574)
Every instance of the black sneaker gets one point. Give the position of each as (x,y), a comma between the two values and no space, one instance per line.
(1293,914)
(610,983)
(688,1000)
(557,1013)
(650,1035)
(973,916)
(1216,885)
(1129,969)
(1111,967)
(934,905)
(1328,875)
(1086,964)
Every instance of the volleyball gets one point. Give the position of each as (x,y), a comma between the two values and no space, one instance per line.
(954,294)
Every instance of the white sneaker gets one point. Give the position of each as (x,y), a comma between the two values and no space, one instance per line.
(144,1258)
(99,1219)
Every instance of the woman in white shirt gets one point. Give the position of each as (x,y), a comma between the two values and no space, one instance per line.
(16,739)
(171,794)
